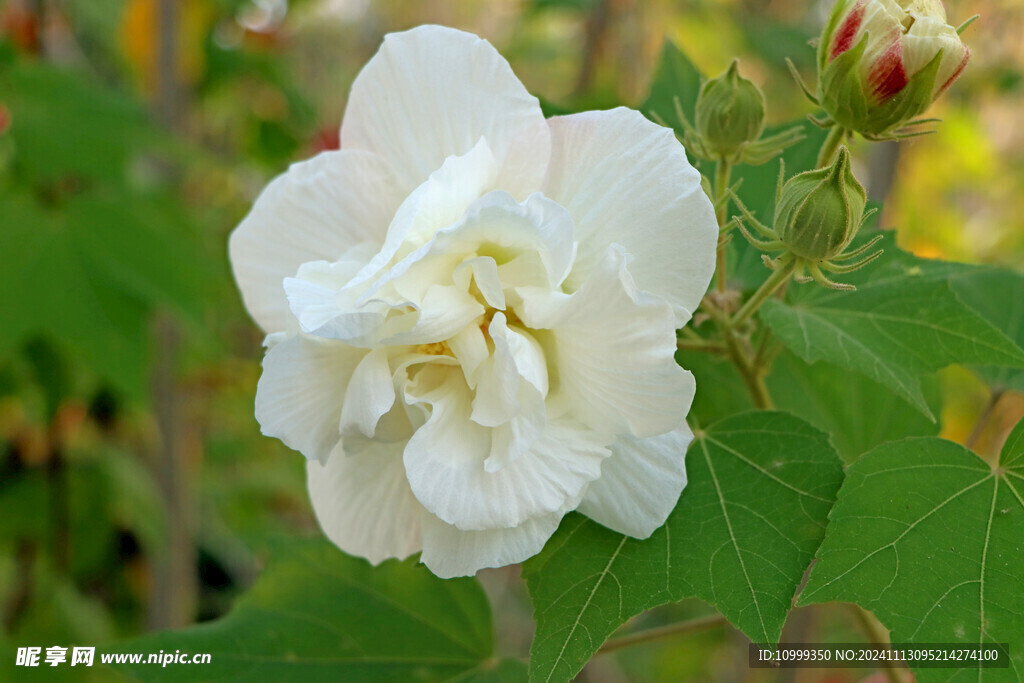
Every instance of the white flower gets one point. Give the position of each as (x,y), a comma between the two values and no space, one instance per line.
(471,311)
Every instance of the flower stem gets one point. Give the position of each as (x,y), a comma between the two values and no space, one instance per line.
(700,345)
(751,375)
(984,418)
(828,148)
(689,626)
(723,175)
(877,635)
(778,277)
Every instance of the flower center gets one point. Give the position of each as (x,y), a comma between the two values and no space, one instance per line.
(440,348)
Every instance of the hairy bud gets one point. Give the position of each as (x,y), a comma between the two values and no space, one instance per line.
(730,113)
(819,212)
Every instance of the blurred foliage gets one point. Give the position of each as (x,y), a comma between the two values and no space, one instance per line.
(117,195)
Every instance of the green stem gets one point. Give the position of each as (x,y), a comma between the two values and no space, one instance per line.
(877,635)
(750,375)
(690,626)
(700,345)
(778,277)
(723,175)
(984,418)
(828,148)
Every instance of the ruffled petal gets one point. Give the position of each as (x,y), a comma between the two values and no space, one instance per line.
(503,228)
(437,203)
(449,551)
(370,394)
(317,210)
(626,180)
(364,505)
(445,458)
(433,92)
(325,307)
(483,270)
(517,358)
(299,396)
(442,313)
(613,347)
(640,483)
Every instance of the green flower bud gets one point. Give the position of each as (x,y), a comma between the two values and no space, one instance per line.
(819,212)
(730,113)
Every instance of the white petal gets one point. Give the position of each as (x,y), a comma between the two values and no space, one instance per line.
(518,435)
(470,348)
(517,360)
(364,504)
(449,551)
(626,180)
(526,354)
(315,211)
(433,92)
(497,388)
(924,40)
(494,226)
(640,483)
(443,312)
(299,396)
(437,203)
(613,347)
(484,272)
(370,394)
(499,226)
(445,458)
(325,307)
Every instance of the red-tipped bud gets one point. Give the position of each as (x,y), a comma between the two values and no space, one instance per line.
(882,62)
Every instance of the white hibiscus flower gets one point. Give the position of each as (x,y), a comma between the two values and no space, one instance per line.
(471,311)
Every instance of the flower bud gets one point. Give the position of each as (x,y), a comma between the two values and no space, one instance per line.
(819,212)
(882,62)
(730,113)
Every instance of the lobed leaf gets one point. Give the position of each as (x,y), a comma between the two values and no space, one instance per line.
(898,325)
(930,538)
(857,412)
(998,296)
(746,526)
(88,273)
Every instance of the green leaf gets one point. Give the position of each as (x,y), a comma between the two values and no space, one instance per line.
(88,272)
(858,413)
(744,530)
(898,325)
(144,246)
(998,296)
(675,76)
(720,389)
(63,122)
(318,614)
(929,537)
(47,287)
(775,41)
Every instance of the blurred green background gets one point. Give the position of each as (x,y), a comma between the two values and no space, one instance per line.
(136,492)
